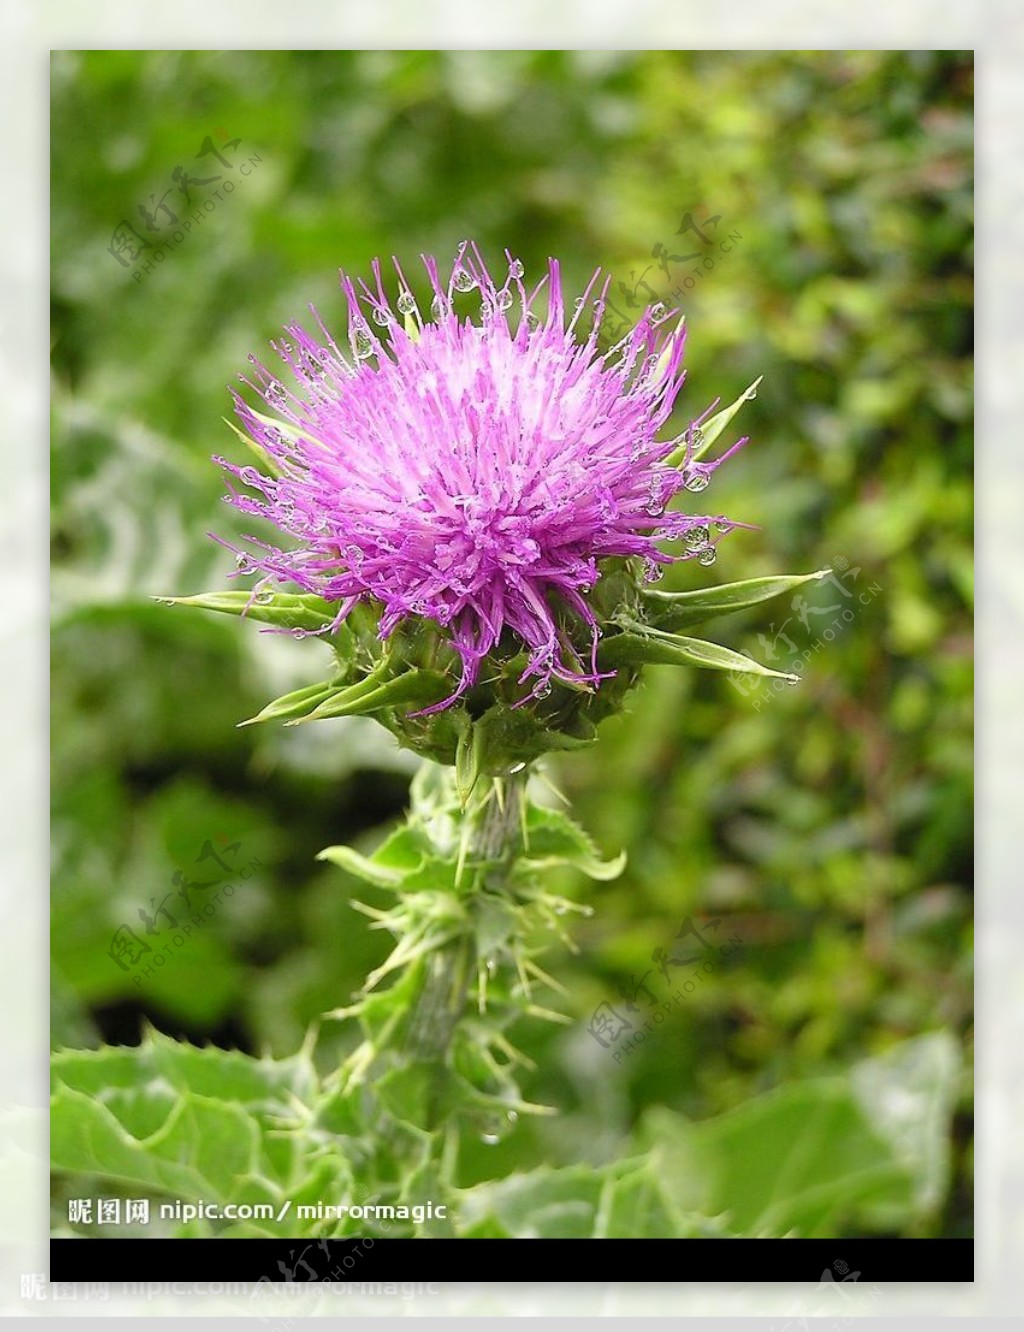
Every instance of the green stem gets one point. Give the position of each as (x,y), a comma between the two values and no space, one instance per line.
(494,834)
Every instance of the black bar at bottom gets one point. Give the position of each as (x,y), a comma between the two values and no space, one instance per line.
(344,1260)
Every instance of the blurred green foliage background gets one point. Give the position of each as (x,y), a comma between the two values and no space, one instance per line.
(828,826)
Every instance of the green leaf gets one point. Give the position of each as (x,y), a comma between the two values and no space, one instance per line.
(710,430)
(544,1204)
(167,1117)
(411,687)
(289,611)
(296,704)
(552,838)
(469,756)
(908,1094)
(824,1157)
(652,647)
(678,610)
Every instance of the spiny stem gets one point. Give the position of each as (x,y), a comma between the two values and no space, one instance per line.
(494,836)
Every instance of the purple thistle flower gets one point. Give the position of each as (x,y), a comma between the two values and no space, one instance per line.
(473,474)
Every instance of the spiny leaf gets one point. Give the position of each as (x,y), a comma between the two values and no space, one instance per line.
(654,648)
(412,687)
(554,839)
(288,610)
(678,610)
(295,704)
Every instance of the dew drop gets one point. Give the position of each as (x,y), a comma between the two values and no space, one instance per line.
(516,269)
(489,1138)
(792,680)
(250,476)
(244,564)
(707,556)
(463,281)
(578,302)
(503,300)
(696,437)
(362,343)
(513,1116)
(382,316)
(406,303)
(544,691)
(697,481)
(696,537)
(275,391)
(750,395)
(263,598)
(531,321)
(299,633)
(657,312)
(439,307)
(486,308)
(653,571)
(516,767)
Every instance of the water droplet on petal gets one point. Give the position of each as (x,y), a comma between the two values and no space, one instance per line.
(696,537)
(275,392)
(707,556)
(244,563)
(362,343)
(503,300)
(439,307)
(513,1116)
(750,395)
(463,281)
(657,312)
(299,633)
(489,1139)
(544,691)
(263,598)
(382,316)
(516,269)
(697,481)
(250,476)
(696,437)
(531,321)
(406,303)
(653,571)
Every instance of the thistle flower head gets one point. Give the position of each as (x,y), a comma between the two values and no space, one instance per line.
(477,473)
